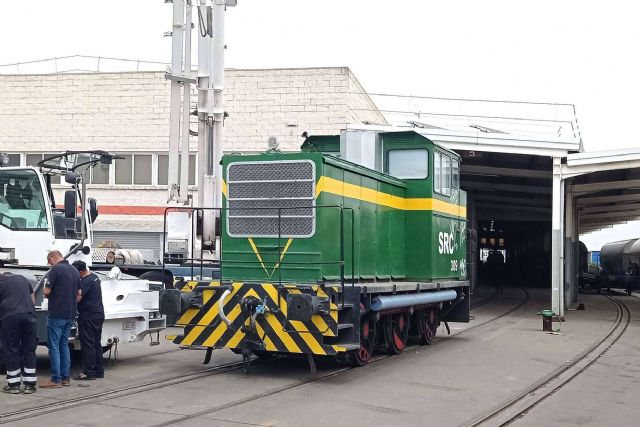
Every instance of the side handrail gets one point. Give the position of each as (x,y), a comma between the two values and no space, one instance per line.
(193,259)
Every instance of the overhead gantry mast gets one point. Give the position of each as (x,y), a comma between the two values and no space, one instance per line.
(210,110)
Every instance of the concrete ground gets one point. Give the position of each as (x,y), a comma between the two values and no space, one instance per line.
(606,394)
(448,383)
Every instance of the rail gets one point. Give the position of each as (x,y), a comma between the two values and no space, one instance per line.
(520,404)
(41,409)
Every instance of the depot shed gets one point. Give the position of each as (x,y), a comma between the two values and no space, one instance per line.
(533,192)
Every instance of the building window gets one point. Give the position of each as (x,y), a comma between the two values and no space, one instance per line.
(124,169)
(142,169)
(134,169)
(32,159)
(163,169)
(14,160)
(130,169)
(100,174)
(408,164)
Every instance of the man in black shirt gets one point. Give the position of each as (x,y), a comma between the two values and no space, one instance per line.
(61,288)
(90,319)
(18,325)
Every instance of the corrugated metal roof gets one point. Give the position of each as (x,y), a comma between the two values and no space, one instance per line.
(474,139)
(604,156)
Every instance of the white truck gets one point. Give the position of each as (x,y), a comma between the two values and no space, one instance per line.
(32,224)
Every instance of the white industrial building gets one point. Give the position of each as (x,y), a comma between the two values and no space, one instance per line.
(127,113)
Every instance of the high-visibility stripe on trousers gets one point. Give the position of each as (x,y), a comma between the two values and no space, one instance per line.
(19,345)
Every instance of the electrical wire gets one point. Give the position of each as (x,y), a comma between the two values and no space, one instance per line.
(438,98)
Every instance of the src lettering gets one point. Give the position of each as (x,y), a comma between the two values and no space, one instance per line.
(445,243)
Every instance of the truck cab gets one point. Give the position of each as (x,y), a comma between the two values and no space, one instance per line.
(31,224)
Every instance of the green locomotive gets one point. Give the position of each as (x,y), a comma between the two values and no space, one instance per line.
(323,256)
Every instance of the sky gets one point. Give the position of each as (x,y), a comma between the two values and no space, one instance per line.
(578,52)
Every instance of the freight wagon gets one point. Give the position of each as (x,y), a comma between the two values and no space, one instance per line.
(327,257)
(620,267)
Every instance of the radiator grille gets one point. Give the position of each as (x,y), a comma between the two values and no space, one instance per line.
(271,199)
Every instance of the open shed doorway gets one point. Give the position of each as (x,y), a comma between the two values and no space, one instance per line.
(525,247)
(509,210)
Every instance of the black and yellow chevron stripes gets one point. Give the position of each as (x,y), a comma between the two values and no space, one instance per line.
(203,326)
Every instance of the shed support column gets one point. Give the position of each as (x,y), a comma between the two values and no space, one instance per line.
(557,240)
(571,251)
(473,256)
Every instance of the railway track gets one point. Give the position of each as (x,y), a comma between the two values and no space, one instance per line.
(518,406)
(484,300)
(23,414)
(62,405)
(321,377)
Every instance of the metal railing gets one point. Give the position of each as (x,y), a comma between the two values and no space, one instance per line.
(81,64)
(198,264)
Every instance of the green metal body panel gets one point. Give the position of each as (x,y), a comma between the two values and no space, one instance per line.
(393,229)
(375,232)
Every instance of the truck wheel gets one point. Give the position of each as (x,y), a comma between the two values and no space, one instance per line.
(157,276)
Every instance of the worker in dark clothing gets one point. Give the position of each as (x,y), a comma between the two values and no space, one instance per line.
(495,267)
(18,325)
(61,288)
(634,269)
(90,319)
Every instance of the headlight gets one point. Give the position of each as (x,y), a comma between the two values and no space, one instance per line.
(272,143)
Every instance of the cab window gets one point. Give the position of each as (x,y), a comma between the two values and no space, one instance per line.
(446,173)
(455,173)
(437,172)
(22,204)
(408,164)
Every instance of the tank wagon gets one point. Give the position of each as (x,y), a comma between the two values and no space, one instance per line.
(324,256)
(620,262)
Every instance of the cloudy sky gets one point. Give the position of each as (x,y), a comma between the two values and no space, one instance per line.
(579,52)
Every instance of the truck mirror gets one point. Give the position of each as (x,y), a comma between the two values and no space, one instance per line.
(71,177)
(70,203)
(93,209)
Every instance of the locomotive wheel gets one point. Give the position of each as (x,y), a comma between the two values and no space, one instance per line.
(424,325)
(429,326)
(396,331)
(362,356)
